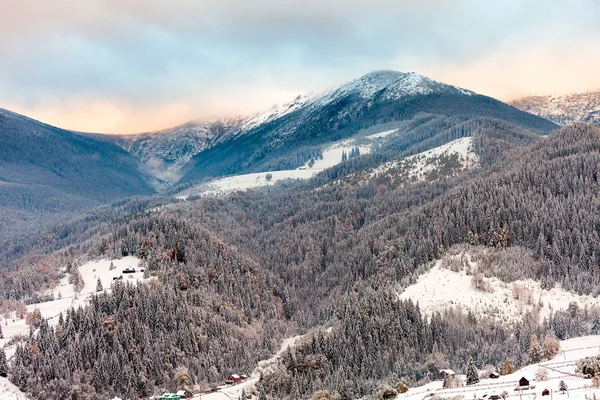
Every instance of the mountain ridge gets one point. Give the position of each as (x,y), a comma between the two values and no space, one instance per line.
(564,109)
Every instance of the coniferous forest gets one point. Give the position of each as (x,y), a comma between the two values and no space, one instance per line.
(232,276)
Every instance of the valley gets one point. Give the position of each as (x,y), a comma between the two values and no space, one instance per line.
(346,245)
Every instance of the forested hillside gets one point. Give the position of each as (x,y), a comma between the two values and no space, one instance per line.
(46,171)
(329,252)
(377,98)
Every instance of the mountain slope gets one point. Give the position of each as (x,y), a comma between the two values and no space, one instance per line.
(46,170)
(564,110)
(376,98)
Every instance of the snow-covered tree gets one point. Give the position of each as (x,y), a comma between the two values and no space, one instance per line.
(562,386)
(472,373)
(99,286)
(3,364)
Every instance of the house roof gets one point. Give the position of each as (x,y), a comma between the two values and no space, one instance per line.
(447,372)
(234,376)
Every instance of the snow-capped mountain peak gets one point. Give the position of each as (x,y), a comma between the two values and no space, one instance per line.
(393,85)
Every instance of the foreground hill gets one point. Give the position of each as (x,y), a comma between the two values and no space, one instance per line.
(328,253)
(380,97)
(563,110)
(46,171)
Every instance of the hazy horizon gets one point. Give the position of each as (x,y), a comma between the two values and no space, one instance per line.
(131,66)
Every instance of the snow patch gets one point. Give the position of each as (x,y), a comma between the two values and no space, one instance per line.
(332,156)
(90,272)
(441,288)
(418,166)
(8,390)
(382,135)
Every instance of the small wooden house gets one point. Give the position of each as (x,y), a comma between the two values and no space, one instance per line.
(523,382)
(129,270)
(494,375)
(233,379)
(545,392)
(446,372)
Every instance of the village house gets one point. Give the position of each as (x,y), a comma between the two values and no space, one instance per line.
(447,372)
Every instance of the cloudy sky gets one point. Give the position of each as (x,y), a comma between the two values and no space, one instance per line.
(137,65)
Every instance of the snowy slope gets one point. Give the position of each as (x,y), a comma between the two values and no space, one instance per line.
(441,288)
(332,155)
(564,110)
(562,367)
(65,296)
(8,391)
(446,160)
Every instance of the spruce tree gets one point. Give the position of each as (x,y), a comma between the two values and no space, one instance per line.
(99,286)
(472,373)
(3,364)
(562,386)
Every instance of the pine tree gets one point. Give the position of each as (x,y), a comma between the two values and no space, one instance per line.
(3,364)
(1,333)
(99,287)
(562,386)
(472,373)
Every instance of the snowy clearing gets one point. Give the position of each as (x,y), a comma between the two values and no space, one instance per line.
(64,292)
(420,166)
(8,391)
(562,367)
(332,155)
(441,288)
(381,135)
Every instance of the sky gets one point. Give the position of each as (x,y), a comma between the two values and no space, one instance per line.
(126,66)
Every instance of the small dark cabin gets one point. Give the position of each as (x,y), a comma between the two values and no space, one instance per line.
(523,382)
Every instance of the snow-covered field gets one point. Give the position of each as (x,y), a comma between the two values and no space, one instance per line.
(332,156)
(65,296)
(419,165)
(440,288)
(562,367)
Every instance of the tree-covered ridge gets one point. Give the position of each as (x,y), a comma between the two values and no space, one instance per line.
(209,312)
(304,252)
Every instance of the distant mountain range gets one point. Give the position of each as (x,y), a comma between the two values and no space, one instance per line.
(45,170)
(564,110)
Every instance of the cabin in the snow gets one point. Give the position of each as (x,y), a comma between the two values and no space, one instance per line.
(129,270)
(233,378)
(523,382)
(446,372)
(494,375)
(545,392)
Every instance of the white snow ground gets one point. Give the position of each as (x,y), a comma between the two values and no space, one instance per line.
(332,156)
(90,272)
(562,367)
(8,391)
(419,165)
(441,288)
